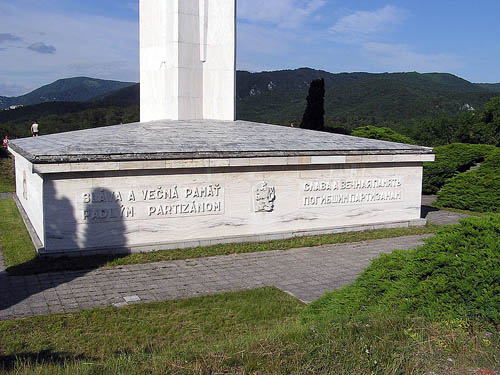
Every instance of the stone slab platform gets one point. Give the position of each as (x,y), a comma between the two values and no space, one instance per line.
(306,273)
(164,140)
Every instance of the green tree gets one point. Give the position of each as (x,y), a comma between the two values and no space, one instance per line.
(314,115)
(491,113)
(383,134)
(491,118)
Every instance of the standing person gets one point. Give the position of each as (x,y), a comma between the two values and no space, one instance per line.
(34,129)
(6,142)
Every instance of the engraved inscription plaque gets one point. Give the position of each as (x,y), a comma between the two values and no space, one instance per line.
(145,203)
(328,193)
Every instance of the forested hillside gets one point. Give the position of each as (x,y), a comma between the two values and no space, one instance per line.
(78,89)
(495,87)
(402,101)
(357,99)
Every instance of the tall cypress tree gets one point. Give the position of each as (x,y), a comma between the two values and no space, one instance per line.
(314,115)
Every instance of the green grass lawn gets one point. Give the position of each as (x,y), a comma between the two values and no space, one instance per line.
(7,183)
(251,332)
(16,244)
(21,258)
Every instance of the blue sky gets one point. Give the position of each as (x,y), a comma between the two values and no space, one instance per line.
(44,40)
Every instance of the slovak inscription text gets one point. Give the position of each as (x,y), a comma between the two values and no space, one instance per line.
(101,205)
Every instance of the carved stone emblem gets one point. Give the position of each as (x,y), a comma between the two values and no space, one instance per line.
(264,197)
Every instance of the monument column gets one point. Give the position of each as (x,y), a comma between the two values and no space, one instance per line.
(188,59)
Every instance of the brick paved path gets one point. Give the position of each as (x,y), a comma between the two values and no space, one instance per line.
(306,273)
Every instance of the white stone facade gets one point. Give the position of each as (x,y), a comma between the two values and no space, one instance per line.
(129,208)
(29,192)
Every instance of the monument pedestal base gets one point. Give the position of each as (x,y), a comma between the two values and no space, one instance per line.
(165,185)
(227,240)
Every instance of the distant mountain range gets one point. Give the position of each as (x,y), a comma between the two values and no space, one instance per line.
(279,97)
(78,89)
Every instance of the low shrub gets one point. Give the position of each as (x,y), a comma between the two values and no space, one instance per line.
(477,190)
(3,152)
(450,160)
(456,274)
(383,134)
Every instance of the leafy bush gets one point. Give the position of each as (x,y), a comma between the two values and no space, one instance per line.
(450,160)
(477,190)
(456,274)
(384,134)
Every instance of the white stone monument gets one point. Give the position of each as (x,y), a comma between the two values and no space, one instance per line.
(188,175)
(188,59)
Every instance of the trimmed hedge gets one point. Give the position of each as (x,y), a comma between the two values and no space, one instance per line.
(383,134)
(450,160)
(456,274)
(477,190)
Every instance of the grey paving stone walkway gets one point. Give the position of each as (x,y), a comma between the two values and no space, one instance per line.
(5,195)
(306,273)
(437,216)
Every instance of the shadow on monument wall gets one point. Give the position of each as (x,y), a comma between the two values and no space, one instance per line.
(425,210)
(40,274)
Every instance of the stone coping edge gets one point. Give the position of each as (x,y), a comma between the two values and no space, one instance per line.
(76,158)
(232,239)
(230,162)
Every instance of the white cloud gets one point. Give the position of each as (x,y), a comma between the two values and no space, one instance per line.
(41,47)
(264,47)
(363,30)
(283,13)
(270,32)
(399,57)
(8,37)
(133,5)
(366,23)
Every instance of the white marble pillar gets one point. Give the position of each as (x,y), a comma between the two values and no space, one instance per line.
(187,59)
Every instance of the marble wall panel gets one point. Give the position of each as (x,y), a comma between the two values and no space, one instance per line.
(187,73)
(250,201)
(29,190)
